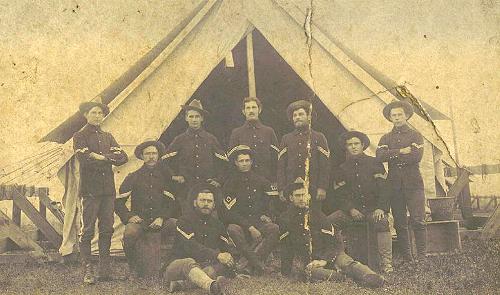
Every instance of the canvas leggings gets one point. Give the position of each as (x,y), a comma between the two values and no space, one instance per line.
(94,209)
(192,274)
(345,264)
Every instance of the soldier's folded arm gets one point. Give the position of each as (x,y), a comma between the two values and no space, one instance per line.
(82,151)
(417,150)
(117,156)
(385,154)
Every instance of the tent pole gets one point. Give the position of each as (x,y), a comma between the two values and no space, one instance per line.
(250,67)
(454,132)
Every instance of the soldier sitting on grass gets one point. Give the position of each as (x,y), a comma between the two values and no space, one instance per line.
(316,243)
(200,255)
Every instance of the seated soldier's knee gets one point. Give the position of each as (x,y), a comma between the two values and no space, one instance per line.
(132,232)
(381,225)
(234,229)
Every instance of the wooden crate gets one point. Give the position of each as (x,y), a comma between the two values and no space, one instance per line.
(443,237)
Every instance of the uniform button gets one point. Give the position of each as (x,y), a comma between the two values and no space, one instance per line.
(356,164)
(359,185)
(197,156)
(254,190)
(103,174)
(249,197)
(300,143)
(254,145)
(300,155)
(254,136)
(256,165)
(300,166)
(301,224)
(197,166)
(196,145)
(248,187)
(197,177)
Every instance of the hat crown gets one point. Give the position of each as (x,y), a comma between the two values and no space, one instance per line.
(196,104)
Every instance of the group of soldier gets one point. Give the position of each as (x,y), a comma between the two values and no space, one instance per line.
(230,209)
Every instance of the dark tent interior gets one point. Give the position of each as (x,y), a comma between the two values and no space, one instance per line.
(277,86)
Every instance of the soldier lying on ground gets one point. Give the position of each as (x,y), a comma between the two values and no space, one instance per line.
(316,243)
(200,255)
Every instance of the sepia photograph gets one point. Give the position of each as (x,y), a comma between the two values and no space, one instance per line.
(249,147)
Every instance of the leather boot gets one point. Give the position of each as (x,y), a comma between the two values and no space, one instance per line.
(421,243)
(384,242)
(365,275)
(104,273)
(88,274)
(405,245)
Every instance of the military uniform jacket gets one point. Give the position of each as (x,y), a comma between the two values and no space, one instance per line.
(404,170)
(293,155)
(360,183)
(297,232)
(246,198)
(96,177)
(150,190)
(196,155)
(262,140)
(201,238)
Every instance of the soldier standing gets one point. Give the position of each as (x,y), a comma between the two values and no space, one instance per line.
(304,151)
(152,200)
(316,243)
(97,151)
(361,185)
(259,137)
(195,156)
(201,253)
(246,197)
(402,148)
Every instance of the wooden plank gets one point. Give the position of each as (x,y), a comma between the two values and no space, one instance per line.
(41,223)
(15,234)
(18,258)
(16,214)
(43,213)
(492,227)
(47,202)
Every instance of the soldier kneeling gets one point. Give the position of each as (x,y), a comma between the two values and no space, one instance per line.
(316,243)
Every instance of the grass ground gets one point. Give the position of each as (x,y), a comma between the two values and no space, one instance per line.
(473,271)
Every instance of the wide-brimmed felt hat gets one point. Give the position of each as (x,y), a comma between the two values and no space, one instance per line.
(353,133)
(238,150)
(88,105)
(299,183)
(158,144)
(297,105)
(407,107)
(195,105)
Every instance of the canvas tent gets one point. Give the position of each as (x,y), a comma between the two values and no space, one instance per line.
(145,101)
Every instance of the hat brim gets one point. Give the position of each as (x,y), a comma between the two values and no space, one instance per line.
(234,155)
(88,105)
(408,109)
(158,144)
(365,140)
(189,108)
